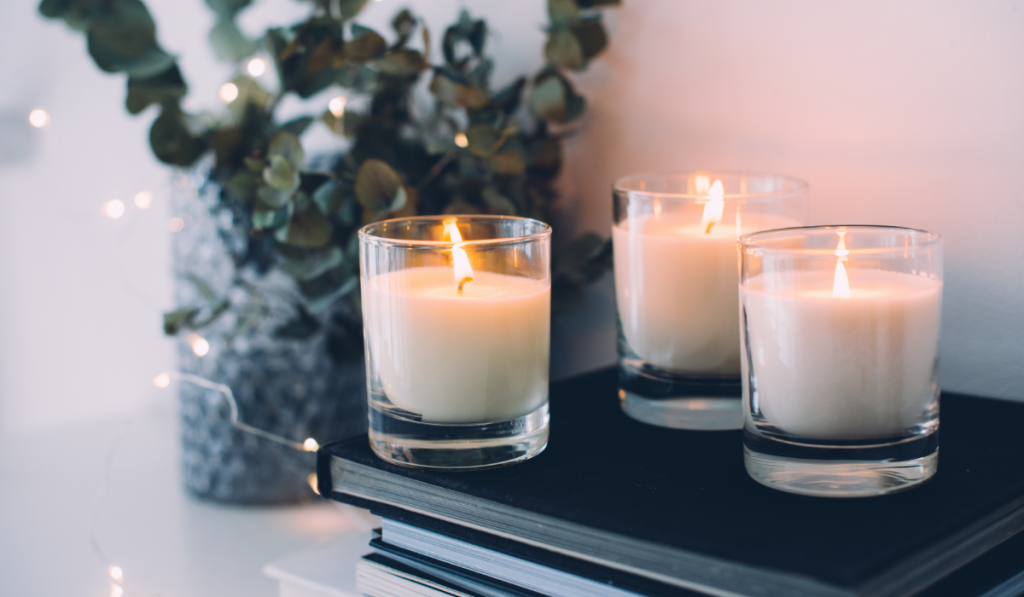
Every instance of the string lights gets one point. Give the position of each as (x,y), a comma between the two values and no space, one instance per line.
(337,106)
(256,67)
(163,381)
(114,209)
(39,118)
(228,92)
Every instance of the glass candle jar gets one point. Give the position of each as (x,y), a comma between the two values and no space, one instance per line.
(456,317)
(676,281)
(840,358)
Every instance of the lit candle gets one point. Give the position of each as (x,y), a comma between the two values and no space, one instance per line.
(845,353)
(454,344)
(676,278)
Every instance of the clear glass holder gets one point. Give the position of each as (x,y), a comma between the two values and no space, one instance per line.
(840,336)
(456,317)
(401,438)
(667,399)
(846,469)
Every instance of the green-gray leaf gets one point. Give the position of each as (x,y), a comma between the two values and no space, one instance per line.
(166,87)
(280,174)
(401,63)
(306,228)
(175,321)
(379,188)
(482,138)
(227,7)
(122,38)
(564,50)
(263,217)
(171,140)
(311,263)
(229,43)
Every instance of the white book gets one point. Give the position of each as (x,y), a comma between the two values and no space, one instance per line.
(323,570)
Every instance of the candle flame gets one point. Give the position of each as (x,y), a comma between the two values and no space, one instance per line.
(714,207)
(841,283)
(463,272)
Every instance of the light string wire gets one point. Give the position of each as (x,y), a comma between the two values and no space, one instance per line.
(116,573)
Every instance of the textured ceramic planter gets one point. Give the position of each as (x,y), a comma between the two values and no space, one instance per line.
(288,387)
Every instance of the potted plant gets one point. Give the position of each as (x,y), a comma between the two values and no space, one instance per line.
(268,260)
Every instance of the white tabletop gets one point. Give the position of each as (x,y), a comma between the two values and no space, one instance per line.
(167,543)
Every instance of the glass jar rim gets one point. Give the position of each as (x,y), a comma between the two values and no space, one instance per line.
(750,242)
(620,185)
(366,234)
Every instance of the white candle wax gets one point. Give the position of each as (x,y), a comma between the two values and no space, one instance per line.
(476,357)
(675,283)
(831,367)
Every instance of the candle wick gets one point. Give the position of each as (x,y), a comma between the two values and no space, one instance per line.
(463,282)
(708,229)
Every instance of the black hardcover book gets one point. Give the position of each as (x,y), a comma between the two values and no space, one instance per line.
(677,507)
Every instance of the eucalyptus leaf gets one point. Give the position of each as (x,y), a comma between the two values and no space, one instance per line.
(228,42)
(563,11)
(310,263)
(509,97)
(242,185)
(454,94)
(227,7)
(591,35)
(401,63)
(167,87)
(508,163)
(482,138)
(404,23)
(367,46)
(306,228)
(350,8)
(297,126)
(564,50)
(171,140)
(379,188)
(329,197)
(269,198)
(287,145)
(177,320)
(280,174)
(272,218)
(122,38)
(548,98)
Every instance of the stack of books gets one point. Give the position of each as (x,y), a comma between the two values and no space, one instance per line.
(617,508)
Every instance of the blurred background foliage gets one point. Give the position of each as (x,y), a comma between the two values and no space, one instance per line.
(475,150)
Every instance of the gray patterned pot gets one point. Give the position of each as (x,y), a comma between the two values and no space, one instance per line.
(288,387)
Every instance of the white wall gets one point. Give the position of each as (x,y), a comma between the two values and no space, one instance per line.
(908,113)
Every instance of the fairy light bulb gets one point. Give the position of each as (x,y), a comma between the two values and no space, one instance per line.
(461,140)
(311,479)
(337,106)
(256,67)
(113,209)
(310,445)
(143,200)
(162,381)
(116,590)
(228,92)
(176,225)
(116,573)
(200,347)
(39,118)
